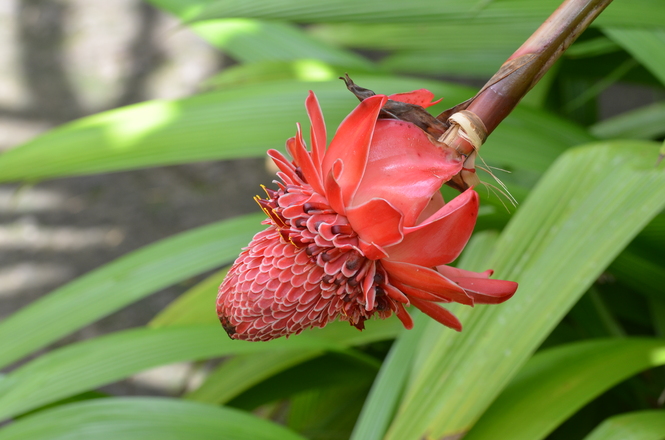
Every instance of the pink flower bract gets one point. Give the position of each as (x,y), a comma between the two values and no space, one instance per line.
(356,230)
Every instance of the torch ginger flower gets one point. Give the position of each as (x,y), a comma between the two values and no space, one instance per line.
(357,230)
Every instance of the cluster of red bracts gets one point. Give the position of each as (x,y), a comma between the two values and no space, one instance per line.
(357,229)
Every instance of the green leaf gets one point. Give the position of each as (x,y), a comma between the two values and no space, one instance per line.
(419,47)
(586,96)
(657,309)
(251,41)
(266,71)
(222,125)
(646,45)
(644,123)
(407,37)
(332,370)
(86,395)
(628,306)
(388,386)
(592,318)
(216,125)
(327,413)
(557,382)
(341,10)
(241,373)
(640,273)
(120,283)
(330,404)
(478,64)
(144,418)
(196,306)
(592,48)
(653,235)
(635,12)
(639,425)
(583,212)
(531,140)
(93,363)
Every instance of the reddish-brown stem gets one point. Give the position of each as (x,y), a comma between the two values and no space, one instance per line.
(527,65)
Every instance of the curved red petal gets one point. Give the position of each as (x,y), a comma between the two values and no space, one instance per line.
(369,292)
(396,294)
(282,162)
(351,144)
(425,279)
(439,239)
(453,273)
(436,202)
(405,168)
(317,130)
(376,221)
(421,97)
(478,285)
(296,147)
(404,316)
(412,292)
(333,189)
(487,291)
(372,250)
(438,313)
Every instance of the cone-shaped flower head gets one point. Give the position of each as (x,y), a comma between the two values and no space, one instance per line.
(356,230)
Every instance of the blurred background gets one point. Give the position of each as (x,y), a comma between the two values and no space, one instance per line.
(64,59)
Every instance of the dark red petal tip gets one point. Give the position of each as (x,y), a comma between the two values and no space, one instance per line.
(438,313)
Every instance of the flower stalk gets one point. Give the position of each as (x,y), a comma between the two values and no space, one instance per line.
(519,74)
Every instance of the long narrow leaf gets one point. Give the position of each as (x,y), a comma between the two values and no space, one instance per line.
(328,413)
(388,386)
(636,12)
(588,206)
(407,37)
(639,425)
(194,306)
(557,382)
(251,41)
(469,63)
(224,125)
(646,45)
(120,283)
(240,122)
(329,371)
(232,380)
(344,10)
(90,364)
(144,419)
(644,123)
(239,374)
(419,47)
(273,41)
(641,274)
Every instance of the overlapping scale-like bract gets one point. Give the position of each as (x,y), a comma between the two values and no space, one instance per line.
(357,230)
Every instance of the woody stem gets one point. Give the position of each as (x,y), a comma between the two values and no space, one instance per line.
(528,64)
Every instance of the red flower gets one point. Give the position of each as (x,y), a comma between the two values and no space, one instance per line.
(357,230)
